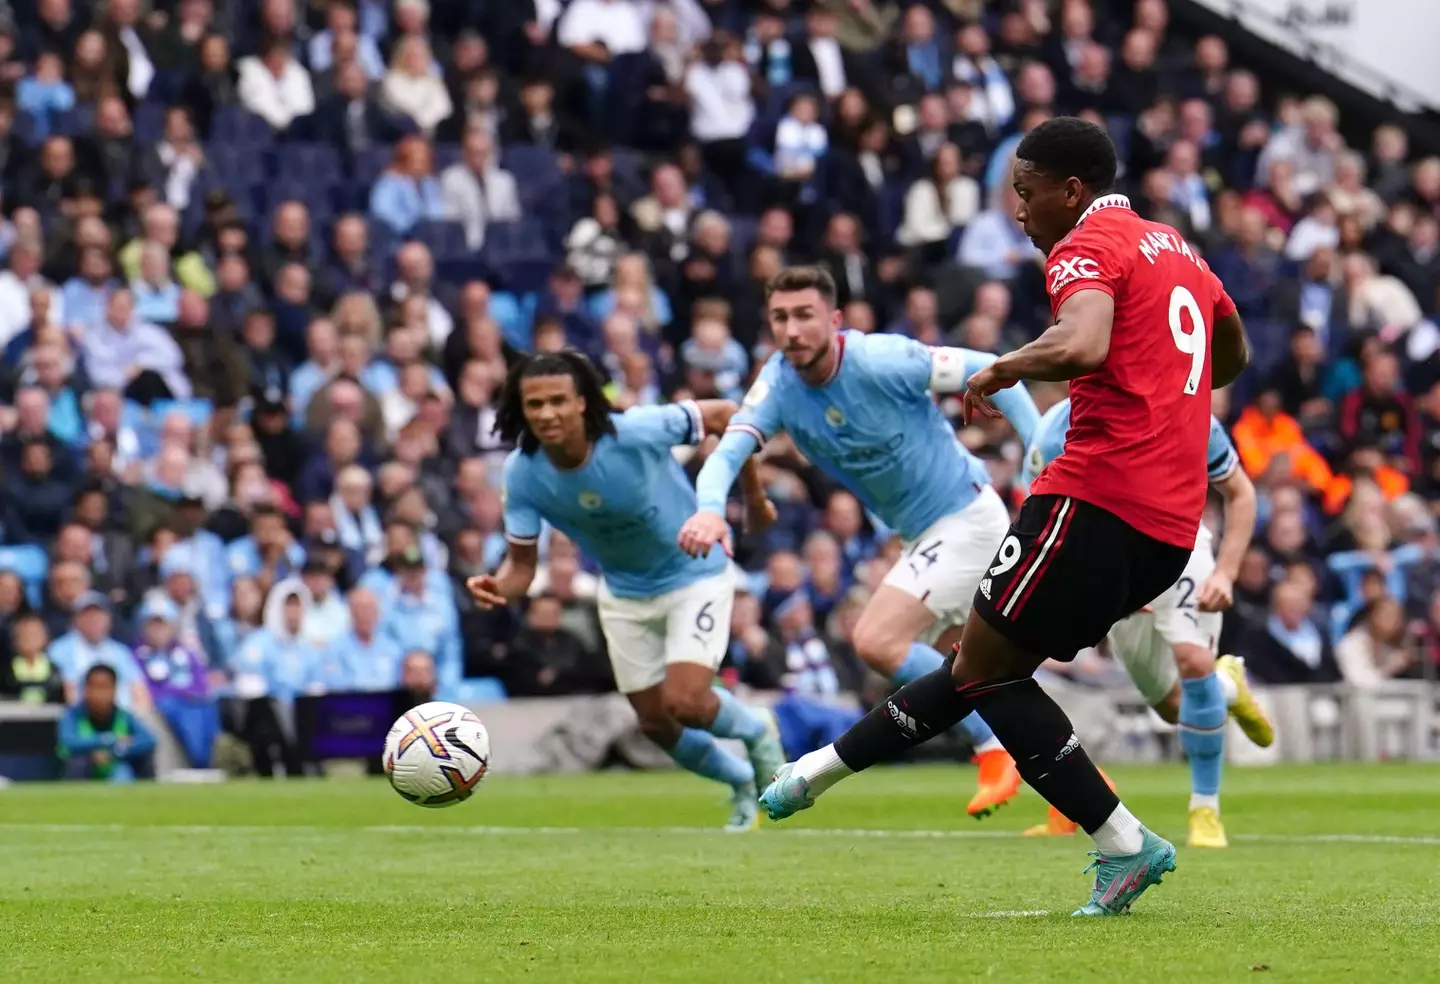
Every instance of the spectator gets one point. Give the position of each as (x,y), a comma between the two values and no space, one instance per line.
(275,660)
(157,296)
(179,683)
(44,93)
(90,644)
(1290,647)
(596,31)
(549,660)
(1377,302)
(341,20)
(99,739)
(409,88)
(28,675)
(363,658)
(1375,649)
(592,246)
(1266,437)
(274,86)
(995,244)
(415,616)
(476,191)
(36,497)
(1378,413)
(938,206)
(407,193)
(1311,146)
(127,352)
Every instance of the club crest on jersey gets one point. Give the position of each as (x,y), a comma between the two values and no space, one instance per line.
(834,417)
(1071,269)
(756,394)
(1037,460)
(589,500)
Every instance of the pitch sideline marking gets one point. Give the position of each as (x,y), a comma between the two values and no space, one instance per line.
(820,832)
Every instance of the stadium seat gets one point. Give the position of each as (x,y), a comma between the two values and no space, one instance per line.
(446,240)
(149,122)
(317,165)
(30,564)
(481,690)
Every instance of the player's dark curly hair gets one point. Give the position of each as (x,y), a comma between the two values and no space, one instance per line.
(510,419)
(1069,147)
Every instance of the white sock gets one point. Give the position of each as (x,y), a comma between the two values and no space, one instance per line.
(1228,688)
(822,769)
(1120,835)
(1198,800)
(990,744)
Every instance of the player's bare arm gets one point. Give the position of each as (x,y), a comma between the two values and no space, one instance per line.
(1217,592)
(1076,344)
(511,581)
(1229,350)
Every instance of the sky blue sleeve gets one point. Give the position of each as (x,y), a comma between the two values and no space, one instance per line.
(712,485)
(1220,457)
(142,739)
(522,520)
(759,413)
(899,364)
(1015,403)
(661,426)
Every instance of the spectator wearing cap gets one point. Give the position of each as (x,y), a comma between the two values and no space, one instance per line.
(178,679)
(28,675)
(283,448)
(180,589)
(415,616)
(99,738)
(363,657)
(476,191)
(90,644)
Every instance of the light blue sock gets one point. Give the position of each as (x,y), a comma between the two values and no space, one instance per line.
(735,720)
(696,750)
(1202,732)
(922,660)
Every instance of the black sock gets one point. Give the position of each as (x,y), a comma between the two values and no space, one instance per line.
(914,714)
(1041,739)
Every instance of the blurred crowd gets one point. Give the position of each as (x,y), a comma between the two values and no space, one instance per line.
(265,264)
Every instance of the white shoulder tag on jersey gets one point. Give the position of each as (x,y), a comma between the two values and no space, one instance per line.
(947,369)
(1105,201)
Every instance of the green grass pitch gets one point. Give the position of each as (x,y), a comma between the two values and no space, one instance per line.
(1333,874)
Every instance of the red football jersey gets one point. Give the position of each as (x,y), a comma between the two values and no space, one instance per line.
(1139,424)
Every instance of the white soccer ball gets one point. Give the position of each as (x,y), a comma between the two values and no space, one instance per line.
(436,754)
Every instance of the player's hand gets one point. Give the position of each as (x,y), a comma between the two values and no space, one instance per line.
(978,389)
(1216,593)
(485,591)
(702,531)
(760,516)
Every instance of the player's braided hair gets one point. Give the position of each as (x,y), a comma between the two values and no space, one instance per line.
(1069,147)
(510,419)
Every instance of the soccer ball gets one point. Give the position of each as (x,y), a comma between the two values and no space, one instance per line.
(436,754)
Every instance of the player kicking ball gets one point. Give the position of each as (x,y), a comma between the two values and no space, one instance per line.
(609,482)
(860,408)
(1142,330)
(1168,648)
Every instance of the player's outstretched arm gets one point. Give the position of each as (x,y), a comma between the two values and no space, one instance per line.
(511,581)
(708,527)
(951,370)
(1077,343)
(1229,350)
(1217,592)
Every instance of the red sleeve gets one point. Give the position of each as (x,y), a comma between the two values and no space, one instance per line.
(1084,261)
(1224,306)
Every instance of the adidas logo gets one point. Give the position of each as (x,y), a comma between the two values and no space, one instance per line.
(1070,746)
(903,721)
(985,588)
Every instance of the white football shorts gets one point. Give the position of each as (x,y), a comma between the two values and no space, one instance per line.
(687,625)
(942,567)
(1144,642)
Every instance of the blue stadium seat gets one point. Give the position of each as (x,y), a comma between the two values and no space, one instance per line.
(315,164)
(480,690)
(149,122)
(445,155)
(537,173)
(238,127)
(199,411)
(30,564)
(74,122)
(446,240)
(518,253)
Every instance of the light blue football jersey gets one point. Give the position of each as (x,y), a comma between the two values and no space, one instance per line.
(623,507)
(875,429)
(1220,457)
